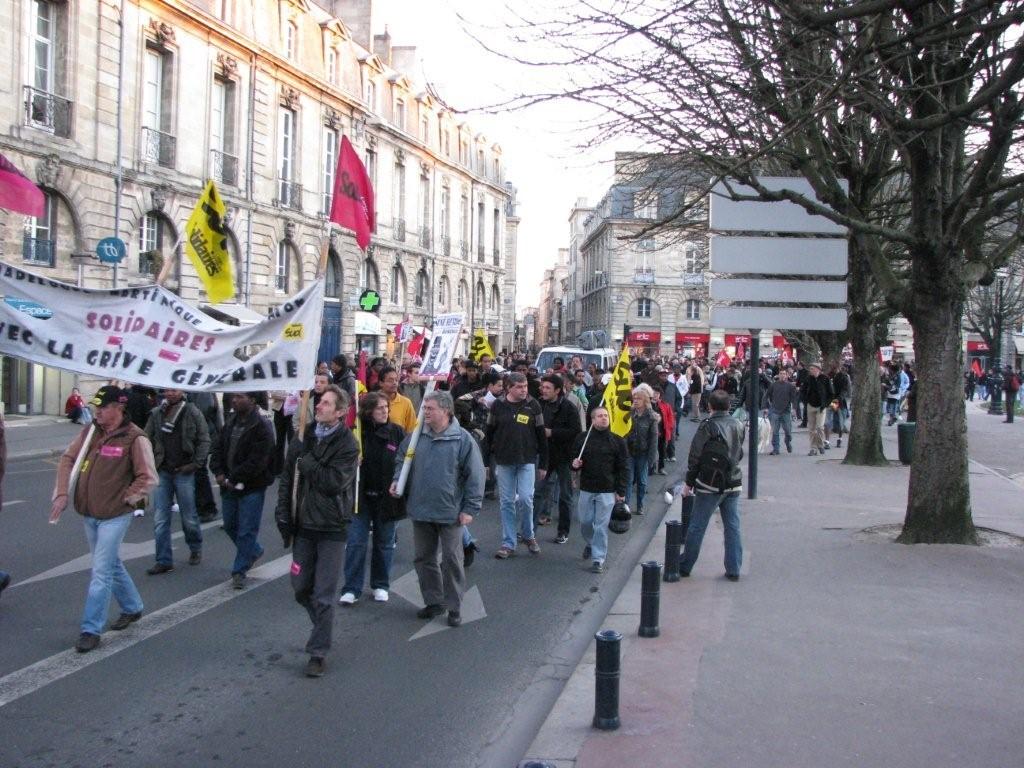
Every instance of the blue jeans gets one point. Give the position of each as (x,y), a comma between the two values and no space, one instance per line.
(785,420)
(467,537)
(594,511)
(242,512)
(108,573)
(355,551)
(515,479)
(182,488)
(704,506)
(637,468)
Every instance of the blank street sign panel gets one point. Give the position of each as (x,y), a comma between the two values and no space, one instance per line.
(779,291)
(756,216)
(783,318)
(779,255)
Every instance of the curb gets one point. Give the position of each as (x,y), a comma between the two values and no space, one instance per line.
(37,453)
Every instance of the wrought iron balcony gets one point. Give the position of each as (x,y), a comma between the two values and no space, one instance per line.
(158,147)
(693,278)
(398,229)
(223,168)
(644,276)
(446,245)
(289,194)
(464,249)
(425,237)
(480,253)
(48,112)
(38,251)
(497,257)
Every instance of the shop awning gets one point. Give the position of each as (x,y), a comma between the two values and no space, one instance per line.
(235,314)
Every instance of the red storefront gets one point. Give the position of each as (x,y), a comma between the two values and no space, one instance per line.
(693,345)
(782,350)
(644,343)
(737,346)
(978,351)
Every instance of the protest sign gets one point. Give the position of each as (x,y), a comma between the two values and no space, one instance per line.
(447,329)
(148,335)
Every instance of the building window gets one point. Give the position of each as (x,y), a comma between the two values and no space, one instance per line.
(399,201)
(445,223)
(496,217)
(646,244)
(151,240)
(330,166)
(371,168)
(400,114)
(223,160)
(291,40)
(480,229)
(425,130)
(692,309)
(480,297)
(289,194)
(45,108)
(495,298)
(158,145)
(691,261)
(444,292)
(645,205)
(368,275)
(464,225)
(371,95)
(460,295)
(464,152)
(332,277)
(643,307)
(39,246)
(281,271)
(446,142)
(397,286)
(425,240)
(422,288)
(332,66)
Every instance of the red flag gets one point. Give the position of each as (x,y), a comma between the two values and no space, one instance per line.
(416,345)
(723,359)
(976,367)
(361,370)
(19,194)
(352,201)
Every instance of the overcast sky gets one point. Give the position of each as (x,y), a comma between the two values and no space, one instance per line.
(538,144)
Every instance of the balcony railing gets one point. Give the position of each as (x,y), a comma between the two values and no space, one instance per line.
(464,249)
(158,147)
(644,276)
(289,194)
(38,251)
(480,253)
(425,237)
(48,112)
(693,278)
(398,229)
(446,245)
(497,257)
(223,168)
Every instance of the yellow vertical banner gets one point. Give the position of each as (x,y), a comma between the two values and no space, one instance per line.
(480,346)
(206,243)
(618,396)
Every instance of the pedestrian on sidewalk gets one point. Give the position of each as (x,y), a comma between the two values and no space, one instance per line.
(642,442)
(604,473)
(241,462)
(779,403)
(518,447)
(666,429)
(181,444)
(561,425)
(1011,386)
(444,491)
(714,474)
(115,476)
(377,510)
(74,407)
(326,460)
(817,395)
(209,406)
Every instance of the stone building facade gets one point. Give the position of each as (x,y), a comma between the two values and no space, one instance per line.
(122,130)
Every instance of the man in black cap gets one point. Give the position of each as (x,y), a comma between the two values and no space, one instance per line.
(116,473)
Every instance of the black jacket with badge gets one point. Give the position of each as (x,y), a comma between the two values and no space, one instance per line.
(719,422)
(563,419)
(326,477)
(381,443)
(515,434)
(250,463)
(605,462)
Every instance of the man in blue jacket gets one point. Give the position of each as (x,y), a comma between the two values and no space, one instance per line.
(445,490)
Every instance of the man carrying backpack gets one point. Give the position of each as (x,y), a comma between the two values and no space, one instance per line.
(713,475)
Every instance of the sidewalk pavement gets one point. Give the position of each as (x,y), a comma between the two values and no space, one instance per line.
(33,437)
(835,648)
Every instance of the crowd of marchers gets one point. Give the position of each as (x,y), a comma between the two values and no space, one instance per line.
(540,442)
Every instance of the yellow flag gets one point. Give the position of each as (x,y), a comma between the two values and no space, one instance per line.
(357,426)
(206,242)
(480,346)
(618,396)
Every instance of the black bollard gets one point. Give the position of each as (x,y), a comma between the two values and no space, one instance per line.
(606,683)
(673,543)
(650,599)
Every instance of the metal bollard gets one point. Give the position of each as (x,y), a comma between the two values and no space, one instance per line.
(673,543)
(606,682)
(650,599)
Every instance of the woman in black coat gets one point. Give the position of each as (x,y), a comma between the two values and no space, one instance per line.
(377,508)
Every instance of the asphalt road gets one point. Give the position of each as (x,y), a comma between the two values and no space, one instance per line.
(212,676)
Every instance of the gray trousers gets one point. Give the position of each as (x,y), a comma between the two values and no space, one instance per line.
(444,584)
(316,570)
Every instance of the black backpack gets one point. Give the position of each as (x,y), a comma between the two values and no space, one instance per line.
(715,465)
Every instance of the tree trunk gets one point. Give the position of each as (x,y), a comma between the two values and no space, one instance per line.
(865,442)
(939,500)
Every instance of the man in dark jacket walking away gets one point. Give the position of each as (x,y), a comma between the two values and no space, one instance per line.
(780,401)
(181,443)
(561,425)
(326,460)
(241,464)
(604,474)
(445,490)
(713,473)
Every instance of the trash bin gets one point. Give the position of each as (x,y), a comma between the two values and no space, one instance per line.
(905,440)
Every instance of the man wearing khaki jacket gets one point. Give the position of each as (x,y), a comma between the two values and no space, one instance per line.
(116,473)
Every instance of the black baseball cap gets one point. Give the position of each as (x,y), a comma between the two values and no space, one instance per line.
(109,394)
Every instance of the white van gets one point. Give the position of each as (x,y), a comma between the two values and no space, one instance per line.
(604,358)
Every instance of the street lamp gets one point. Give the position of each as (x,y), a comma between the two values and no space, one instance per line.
(995,382)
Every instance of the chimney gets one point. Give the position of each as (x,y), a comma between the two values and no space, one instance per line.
(403,59)
(382,46)
(358,17)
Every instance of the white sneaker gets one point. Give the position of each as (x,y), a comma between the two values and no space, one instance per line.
(348,598)
(668,497)
(380,595)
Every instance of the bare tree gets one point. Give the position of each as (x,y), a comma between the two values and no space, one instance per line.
(996,306)
(916,104)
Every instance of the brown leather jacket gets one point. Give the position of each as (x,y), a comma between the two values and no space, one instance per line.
(117,472)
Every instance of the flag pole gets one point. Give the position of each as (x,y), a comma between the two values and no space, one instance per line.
(589,430)
(410,452)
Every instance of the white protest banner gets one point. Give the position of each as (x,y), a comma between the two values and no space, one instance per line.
(447,329)
(885,354)
(148,335)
